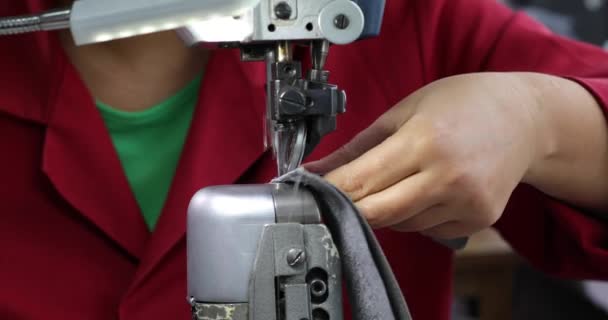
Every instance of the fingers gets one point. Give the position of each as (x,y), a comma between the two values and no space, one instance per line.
(364,141)
(379,131)
(379,168)
(399,202)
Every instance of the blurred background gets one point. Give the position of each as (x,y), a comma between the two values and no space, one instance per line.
(586,20)
(492,282)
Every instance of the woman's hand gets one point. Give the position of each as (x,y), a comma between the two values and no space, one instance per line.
(444,161)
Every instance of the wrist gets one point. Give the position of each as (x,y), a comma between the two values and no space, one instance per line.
(528,96)
(571,144)
(541,91)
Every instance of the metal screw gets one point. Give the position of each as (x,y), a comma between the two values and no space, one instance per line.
(289,70)
(282,10)
(292,101)
(341,21)
(295,257)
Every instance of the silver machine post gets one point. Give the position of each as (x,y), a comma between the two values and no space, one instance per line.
(261,252)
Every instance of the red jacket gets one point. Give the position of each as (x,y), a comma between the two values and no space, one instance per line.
(73,244)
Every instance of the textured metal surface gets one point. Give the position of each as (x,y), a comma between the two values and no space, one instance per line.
(206,311)
(224,227)
(51,20)
(326,258)
(18,25)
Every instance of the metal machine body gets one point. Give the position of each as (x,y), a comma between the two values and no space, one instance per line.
(261,252)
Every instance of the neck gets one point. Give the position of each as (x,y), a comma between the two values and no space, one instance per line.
(136,73)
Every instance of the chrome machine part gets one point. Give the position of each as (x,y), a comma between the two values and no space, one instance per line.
(93,21)
(47,21)
(288,139)
(288,144)
(98,21)
(300,111)
(288,134)
(261,253)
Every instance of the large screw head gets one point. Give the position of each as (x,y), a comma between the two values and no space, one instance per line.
(293,102)
(283,10)
(296,257)
(341,21)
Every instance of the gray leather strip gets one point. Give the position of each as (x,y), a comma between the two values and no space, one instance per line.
(373,291)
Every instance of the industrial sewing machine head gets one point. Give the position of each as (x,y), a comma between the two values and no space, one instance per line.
(254,252)
(301,108)
(261,252)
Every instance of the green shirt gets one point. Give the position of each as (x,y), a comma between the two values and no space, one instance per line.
(149,144)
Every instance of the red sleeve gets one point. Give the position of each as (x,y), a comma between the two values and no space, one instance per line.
(482,35)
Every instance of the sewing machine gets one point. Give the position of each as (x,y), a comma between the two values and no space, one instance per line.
(254,252)
(287,267)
